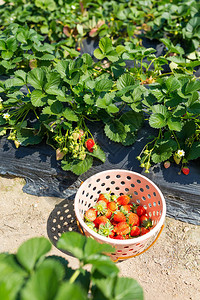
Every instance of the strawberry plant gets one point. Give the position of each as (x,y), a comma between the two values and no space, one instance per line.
(31,274)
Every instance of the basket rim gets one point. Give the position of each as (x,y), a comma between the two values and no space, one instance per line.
(115,241)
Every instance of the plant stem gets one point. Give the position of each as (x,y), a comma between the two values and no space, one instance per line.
(74,276)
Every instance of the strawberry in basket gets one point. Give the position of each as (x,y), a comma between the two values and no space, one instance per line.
(116,217)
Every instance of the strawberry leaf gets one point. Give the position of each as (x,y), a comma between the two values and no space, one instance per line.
(194,151)
(157,120)
(78,167)
(98,153)
(115,131)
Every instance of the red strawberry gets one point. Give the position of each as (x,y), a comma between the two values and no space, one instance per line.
(78,48)
(122,228)
(133,219)
(112,235)
(108,214)
(91,214)
(127,207)
(123,200)
(167,164)
(144,230)
(99,220)
(102,197)
(119,217)
(141,210)
(112,205)
(185,170)
(119,237)
(89,144)
(135,231)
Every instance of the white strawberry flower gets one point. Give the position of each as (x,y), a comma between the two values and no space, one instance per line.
(73,7)
(1,100)
(181,153)
(6,116)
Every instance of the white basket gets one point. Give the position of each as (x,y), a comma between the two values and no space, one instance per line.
(143,191)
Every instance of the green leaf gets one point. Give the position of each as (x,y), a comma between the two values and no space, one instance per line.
(158,158)
(5,294)
(21,74)
(87,59)
(76,166)
(36,78)
(56,107)
(119,288)
(112,56)
(28,137)
(172,84)
(46,57)
(88,99)
(73,243)
(2,45)
(103,264)
(192,86)
(73,292)
(31,250)
(105,44)
(115,131)
(69,114)
(12,44)
(98,54)
(38,99)
(42,285)
(194,151)
(157,121)
(132,120)
(174,124)
(103,85)
(130,139)
(2,121)
(187,131)
(125,80)
(160,109)
(53,81)
(99,153)
(7,54)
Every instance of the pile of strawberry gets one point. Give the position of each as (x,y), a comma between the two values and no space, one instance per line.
(116,217)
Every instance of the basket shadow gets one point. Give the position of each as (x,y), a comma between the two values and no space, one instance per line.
(62,219)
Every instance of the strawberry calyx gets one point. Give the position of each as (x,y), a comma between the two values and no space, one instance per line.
(105,229)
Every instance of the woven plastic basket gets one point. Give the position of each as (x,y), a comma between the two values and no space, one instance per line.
(143,191)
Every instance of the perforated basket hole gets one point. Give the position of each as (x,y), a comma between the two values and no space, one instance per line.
(135,192)
(117,188)
(158,202)
(149,204)
(154,203)
(138,201)
(141,190)
(108,177)
(108,189)
(138,181)
(128,177)
(98,180)
(103,184)
(147,187)
(112,182)
(150,214)
(126,190)
(122,182)
(132,185)
(154,193)
(118,176)
(149,196)
(143,198)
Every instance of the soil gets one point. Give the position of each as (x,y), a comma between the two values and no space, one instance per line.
(168,270)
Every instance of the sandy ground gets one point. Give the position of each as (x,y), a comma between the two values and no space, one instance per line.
(169,270)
